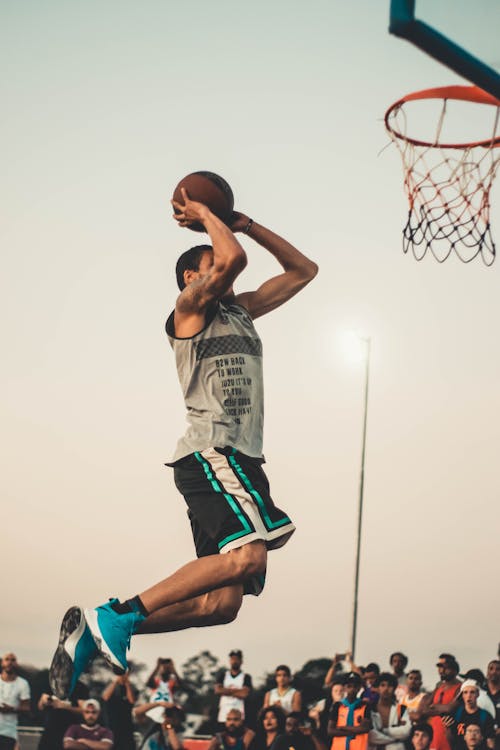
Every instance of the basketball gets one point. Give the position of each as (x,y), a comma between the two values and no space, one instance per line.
(211,190)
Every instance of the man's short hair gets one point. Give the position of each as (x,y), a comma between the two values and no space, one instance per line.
(372,667)
(414,671)
(403,657)
(386,677)
(236,652)
(422,726)
(283,668)
(234,711)
(189,261)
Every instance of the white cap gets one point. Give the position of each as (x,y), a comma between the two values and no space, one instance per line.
(469,683)
(92,702)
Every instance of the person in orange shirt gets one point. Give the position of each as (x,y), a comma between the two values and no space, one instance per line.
(350,719)
(442,700)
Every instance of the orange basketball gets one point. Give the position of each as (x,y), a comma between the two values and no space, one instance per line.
(211,190)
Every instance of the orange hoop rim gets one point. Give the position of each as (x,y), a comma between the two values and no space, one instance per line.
(472,94)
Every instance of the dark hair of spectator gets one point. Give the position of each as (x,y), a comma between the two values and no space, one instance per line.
(372,667)
(386,677)
(283,668)
(280,718)
(415,671)
(422,726)
(403,657)
(189,261)
(295,715)
(338,680)
(451,662)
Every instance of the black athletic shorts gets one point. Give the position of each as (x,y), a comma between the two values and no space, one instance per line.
(229,505)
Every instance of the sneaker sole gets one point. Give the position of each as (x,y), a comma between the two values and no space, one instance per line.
(93,623)
(61,669)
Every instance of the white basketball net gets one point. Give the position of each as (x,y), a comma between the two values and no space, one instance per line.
(448,191)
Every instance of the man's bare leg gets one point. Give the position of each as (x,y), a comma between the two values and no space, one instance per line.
(213,608)
(205,574)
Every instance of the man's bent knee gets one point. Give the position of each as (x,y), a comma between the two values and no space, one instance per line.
(249,560)
(224,604)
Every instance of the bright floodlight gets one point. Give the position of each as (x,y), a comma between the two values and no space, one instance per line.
(355,346)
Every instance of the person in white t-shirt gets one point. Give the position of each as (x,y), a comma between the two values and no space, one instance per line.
(14,699)
(283,695)
(233,687)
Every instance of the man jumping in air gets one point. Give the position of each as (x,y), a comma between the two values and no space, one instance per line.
(218,463)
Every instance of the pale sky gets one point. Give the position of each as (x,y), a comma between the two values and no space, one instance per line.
(105,107)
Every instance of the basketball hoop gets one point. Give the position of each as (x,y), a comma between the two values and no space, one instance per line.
(447,183)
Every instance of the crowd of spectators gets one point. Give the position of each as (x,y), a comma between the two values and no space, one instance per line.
(363,708)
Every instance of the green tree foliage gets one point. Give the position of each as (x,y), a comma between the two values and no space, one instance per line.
(198,678)
(309,680)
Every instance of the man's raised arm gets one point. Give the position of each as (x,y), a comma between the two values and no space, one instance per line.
(213,280)
(298,270)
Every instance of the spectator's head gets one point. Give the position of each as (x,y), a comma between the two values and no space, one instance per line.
(283,676)
(9,663)
(386,684)
(272,719)
(469,691)
(91,710)
(165,668)
(235,659)
(398,662)
(493,672)
(337,689)
(473,737)
(448,667)
(371,673)
(414,680)
(292,722)
(234,723)
(421,736)
(353,683)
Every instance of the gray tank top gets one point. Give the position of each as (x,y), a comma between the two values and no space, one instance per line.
(220,372)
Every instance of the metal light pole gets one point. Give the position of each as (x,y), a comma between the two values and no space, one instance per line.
(367,343)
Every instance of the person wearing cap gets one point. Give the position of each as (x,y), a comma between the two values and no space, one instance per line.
(442,699)
(349,720)
(421,736)
(468,712)
(390,720)
(233,686)
(89,734)
(484,700)
(283,695)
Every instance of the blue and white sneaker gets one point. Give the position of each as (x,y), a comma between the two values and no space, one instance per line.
(112,632)
(75,649)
